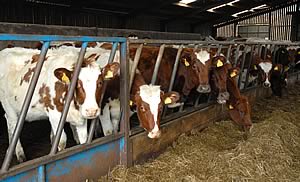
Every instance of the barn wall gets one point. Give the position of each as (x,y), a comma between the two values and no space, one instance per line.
(279,22)
(62,14)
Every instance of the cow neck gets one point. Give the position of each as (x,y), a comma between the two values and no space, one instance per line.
(233,90)
(137,82)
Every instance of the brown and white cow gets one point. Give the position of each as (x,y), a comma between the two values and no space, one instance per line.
(238,105)
(17,66)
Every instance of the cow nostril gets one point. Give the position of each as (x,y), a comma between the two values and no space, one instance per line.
(266,85)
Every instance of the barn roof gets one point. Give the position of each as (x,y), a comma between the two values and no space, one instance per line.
(195,13)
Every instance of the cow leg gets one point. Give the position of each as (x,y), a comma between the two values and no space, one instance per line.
(11,124)
(54,117)
(81,131)
(105,121)
(115,114)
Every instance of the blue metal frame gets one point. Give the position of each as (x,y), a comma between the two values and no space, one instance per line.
(62,166)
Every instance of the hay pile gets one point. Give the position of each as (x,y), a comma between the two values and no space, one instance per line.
(221,153)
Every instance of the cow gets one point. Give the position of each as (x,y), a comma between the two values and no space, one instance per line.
(238,105)
(294,56)
(148,101)
(218,76)
(17,67)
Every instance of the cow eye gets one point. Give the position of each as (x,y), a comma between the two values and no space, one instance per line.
(194,67)
(142,108)
(100,83)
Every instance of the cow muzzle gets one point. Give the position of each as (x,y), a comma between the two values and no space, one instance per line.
(91,113)
(223,97)
(154,134)
(203,89)
(267,84)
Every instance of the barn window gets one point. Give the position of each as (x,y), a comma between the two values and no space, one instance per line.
(261,31)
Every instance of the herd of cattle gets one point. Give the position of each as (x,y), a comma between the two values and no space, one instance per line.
(200,70)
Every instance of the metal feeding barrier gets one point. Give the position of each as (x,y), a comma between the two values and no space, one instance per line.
(96,157)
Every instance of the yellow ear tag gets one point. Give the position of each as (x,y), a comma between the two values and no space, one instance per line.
(109,74)
(233,74)
(186,63)
(65,79)
(255,68)
(276,68)
(230,106)
(219,63)
(130,103)
(168,100)
(299,52)
(286,68)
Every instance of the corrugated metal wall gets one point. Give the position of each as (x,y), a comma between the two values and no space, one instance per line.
(280,24)
(61,14)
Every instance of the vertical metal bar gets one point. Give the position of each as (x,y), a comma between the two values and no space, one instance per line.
(25,106)
(219,49)
(93,122)
(157,64)
(124,90)
(236,54)
(242,66)
(68,99)
(135,63)
(259,50)
(249,66)
(41,174)
(228,53)
(175,67)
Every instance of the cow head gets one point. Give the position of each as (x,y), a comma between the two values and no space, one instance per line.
(194,66)
(89,85)
(149,102)
(240,111)
(219,77)
(265,67)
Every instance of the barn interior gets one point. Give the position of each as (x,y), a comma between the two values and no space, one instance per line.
(150,22)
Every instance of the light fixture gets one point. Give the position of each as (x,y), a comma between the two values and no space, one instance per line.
(222,5)
(250,10)
(241,12)
(186,1)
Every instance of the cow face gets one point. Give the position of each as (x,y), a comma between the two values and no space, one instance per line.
(195,69)
(265,67)
(149,101)
(240,112)
(219,77)
(89,85)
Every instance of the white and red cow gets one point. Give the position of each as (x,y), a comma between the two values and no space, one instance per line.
(17,66)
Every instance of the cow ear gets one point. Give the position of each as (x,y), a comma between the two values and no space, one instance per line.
(93,57)
(111,70)
(63,74)
(171,97)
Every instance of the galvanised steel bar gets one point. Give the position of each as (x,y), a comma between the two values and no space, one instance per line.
(175,67)
(260,50)
(68,99)
(25,107)
(242,66)
(135,63)
(219,49)
(249,66)
(93,122)
(41,174)
(236,55)
(157,64)
(124,99)
(229,53)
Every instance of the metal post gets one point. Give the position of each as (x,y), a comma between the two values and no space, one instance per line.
(219,49)
(229,53)
(68,99)
(175,67)
(157,64)
(242,66)
(41,173)
(249,66)
(25,106)
(124,90)
(236,54)
(93,122)
(135,64)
